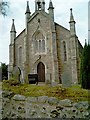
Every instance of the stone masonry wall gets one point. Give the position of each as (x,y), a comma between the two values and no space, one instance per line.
(63,35)
(18,106)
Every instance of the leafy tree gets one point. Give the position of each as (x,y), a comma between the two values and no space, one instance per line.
(3,8)
(85,67)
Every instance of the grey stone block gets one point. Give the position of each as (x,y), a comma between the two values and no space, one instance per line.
(53,101)
(19,97)
(43,99)
(32,99)
(66,103)
(84,105)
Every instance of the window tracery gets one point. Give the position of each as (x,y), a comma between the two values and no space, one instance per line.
(39,42)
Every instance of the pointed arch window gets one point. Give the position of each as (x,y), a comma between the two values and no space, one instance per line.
(39,42)
(64,50)
(20,56)
(43,45)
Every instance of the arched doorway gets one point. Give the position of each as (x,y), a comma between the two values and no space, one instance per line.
(41,72)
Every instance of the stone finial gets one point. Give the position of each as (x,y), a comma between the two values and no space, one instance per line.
(71,9)
(72,24)
(13,26)
(13,20)
(71,16)
(27,8)
(51,5)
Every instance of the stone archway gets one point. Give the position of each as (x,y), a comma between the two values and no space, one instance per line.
(41,72)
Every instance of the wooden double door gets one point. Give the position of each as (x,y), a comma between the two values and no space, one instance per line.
(41,72)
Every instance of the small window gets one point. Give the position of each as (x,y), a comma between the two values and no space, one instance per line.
(20,56)
(43,45)
(36,46)
(64,50)
(40,46)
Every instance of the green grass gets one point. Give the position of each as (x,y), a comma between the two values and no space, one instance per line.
(75,93)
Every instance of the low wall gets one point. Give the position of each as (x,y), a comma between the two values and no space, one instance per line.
(18,106)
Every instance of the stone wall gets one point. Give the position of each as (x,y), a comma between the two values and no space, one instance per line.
(18,106)
(63,36)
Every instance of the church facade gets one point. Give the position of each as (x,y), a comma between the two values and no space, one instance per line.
(45,47)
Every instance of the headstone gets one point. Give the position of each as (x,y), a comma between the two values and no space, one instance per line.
(66,79)
(16,73)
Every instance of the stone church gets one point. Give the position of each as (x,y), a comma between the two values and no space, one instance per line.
(45,47)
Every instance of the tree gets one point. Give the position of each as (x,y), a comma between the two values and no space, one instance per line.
(3,8)
(4,68)
(85,67)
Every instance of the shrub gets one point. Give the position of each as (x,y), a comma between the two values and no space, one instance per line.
(85,67)
(12,81)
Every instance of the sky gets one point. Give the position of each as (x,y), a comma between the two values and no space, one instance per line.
(17,10)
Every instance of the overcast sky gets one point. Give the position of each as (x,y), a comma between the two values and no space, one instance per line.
(62,16)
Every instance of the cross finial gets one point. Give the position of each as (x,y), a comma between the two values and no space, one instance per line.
(13,20)
(71,9)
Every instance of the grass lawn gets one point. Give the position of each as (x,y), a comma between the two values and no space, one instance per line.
(75,93)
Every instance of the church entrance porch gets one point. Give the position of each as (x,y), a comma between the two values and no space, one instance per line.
(41,72)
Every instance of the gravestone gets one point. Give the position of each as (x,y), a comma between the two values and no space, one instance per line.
(16,73)
(66,79)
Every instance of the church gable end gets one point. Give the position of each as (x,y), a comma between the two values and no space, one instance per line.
(45,47)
